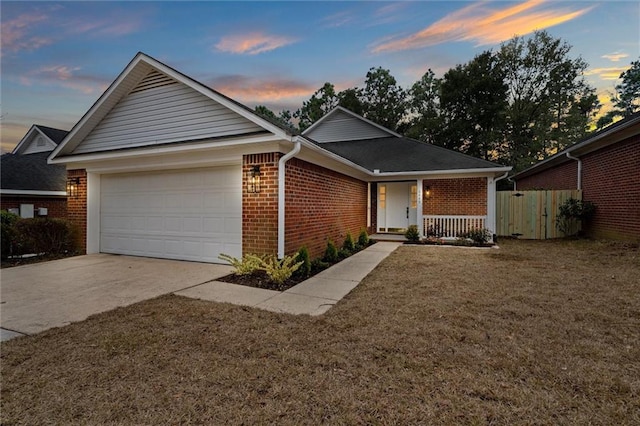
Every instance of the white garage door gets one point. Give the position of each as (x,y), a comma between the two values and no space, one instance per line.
(193,214)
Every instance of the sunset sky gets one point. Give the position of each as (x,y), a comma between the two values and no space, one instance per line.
(58,57)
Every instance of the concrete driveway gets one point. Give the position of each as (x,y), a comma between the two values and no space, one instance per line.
(36,297)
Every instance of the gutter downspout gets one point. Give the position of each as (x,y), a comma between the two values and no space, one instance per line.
(579,169)
(281,206)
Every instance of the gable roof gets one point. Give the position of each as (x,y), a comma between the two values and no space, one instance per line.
(340,124)
(30,172)
(611,134)
(144,71)
(52,136)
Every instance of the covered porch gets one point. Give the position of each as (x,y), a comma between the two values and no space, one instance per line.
(442,206)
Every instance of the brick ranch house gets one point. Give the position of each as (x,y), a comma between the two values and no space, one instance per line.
(167,167)
(30,186)
(606,167)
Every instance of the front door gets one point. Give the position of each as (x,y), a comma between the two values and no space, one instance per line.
(397,206)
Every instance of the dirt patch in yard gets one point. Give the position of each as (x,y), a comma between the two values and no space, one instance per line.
(533,333)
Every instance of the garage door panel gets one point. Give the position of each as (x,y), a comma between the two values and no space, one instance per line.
(190,214)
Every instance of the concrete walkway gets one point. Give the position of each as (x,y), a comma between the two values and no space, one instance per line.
(314,296)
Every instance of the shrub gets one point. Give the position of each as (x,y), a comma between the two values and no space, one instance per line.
(331,253)
(7,231)
(363,238)
(572,212)
(246,266)
(478,235)
(412,233)
(279,271)
(303,256)
(343,254)
(318,264)
(348,245)
(46,236)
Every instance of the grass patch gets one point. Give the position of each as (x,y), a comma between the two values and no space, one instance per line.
(533,333)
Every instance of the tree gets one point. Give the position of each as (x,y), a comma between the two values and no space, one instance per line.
(423,109)
(283,118)
(351,100)
(473,102)
(320,103)
(550,102)
(626,100)
(383,99)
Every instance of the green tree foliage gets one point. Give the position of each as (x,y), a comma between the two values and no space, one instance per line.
(423,107)
(284,118)
(626,100)
(473,102)
(550,102)
(320,103)
(383,98)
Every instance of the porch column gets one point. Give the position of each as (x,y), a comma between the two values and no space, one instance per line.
(490,223)
(420,193)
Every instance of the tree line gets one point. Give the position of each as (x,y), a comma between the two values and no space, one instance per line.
(515,106)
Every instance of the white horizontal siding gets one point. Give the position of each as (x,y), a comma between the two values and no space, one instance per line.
(32,147)
(344,127)
(161,114)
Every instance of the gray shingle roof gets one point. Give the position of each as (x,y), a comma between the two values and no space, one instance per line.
(394,154)
(56,135)
(31,172)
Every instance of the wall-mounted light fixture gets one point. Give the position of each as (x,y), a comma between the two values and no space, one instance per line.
(427,192)
(253,180)
(72,187)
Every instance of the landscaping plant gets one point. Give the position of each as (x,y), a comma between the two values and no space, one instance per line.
(573,212)
(279,270)
(349,245)
(412,234)
(303,256)
(363,239)
(7,230)
(249,263)
(479,236)
(331,253)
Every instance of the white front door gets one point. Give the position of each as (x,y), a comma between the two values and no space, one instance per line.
(397,206)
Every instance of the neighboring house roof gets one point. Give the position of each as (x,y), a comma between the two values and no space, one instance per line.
(614,133)
(39,139)
(30,174)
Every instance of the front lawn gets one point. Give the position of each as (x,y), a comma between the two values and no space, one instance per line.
(532,333)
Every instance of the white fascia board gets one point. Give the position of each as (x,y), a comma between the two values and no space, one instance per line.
(29,138)
(33,192)
(494,171)
(155,150)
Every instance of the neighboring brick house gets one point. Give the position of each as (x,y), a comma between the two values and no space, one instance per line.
(29,186)
(167,167)
(606,167)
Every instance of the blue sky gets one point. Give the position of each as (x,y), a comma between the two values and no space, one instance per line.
(58,57)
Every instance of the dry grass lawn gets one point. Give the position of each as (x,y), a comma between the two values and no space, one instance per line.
(533,333)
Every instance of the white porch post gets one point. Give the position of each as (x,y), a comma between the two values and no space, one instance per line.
(368,205)
(491,206)
(420,193)
(93,213)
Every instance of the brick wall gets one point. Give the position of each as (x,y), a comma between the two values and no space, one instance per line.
(321,204)
(57,207)
(467,196)
(260,210)
(563,176)
(77,207)
(611,180)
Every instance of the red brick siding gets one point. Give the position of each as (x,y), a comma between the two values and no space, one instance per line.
(57,207)
(611,180)
(467,196)
(563,176)
(77,207)
(321,204)
(260,210)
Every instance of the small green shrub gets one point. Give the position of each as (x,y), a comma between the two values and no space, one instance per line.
(572,212)
(7,231)
(331,253)
(349,245)
(51,237)
(318,264)
(363,238)
(249,263)
(281,270)
(305,268)
(343,254)
(478,235)
(412,233)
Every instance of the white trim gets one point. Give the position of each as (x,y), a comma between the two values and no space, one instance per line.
(368,204)
(33,192)
(28,137)
(353,114)
(443,172)
(93,213)
(490,223)
(419,206)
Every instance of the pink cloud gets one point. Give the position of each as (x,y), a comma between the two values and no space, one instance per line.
(16,33)
(616,56)
(252,43)
(249,89)
(483,25)
(607,73)
(65,76)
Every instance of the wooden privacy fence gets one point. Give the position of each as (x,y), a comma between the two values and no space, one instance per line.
(531,214)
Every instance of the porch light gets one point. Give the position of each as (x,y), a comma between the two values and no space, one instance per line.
(72,187)
(427,192)
(253,180)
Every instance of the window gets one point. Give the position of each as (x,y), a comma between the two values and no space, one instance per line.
(414,196)
(383,197)
(40,141)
